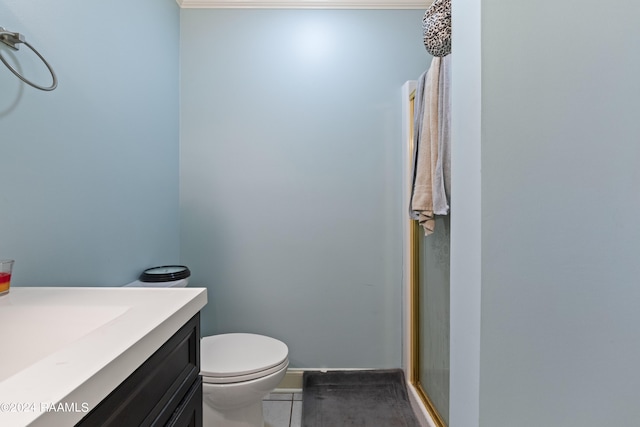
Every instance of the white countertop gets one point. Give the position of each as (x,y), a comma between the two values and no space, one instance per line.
(63,350)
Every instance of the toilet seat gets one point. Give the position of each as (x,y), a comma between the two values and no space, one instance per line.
(208,379)
(231,358)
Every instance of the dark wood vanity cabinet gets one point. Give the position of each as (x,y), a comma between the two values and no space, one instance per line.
(166,390)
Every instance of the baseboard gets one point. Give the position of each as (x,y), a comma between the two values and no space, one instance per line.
(292,381)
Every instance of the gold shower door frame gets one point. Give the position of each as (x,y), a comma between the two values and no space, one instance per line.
(414,296)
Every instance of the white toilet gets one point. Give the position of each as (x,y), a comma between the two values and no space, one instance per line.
(238,370)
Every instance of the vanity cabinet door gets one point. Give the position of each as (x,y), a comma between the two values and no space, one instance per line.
(153,393)
(189,413)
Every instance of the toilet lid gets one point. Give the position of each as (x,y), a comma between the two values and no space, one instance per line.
(231,355)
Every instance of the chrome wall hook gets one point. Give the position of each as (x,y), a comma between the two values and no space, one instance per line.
(11,39)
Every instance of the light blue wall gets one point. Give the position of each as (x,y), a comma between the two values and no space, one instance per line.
(560,207)
(291,174)
(466,206)
(90,171)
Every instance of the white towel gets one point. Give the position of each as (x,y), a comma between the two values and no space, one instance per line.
(442,172)
(426,152)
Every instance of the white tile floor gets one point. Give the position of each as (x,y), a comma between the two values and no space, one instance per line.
(282,410)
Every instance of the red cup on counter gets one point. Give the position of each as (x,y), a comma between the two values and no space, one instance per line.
(6,265)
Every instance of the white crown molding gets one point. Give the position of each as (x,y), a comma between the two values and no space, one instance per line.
(304,4)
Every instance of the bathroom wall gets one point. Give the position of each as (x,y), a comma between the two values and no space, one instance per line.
(466,224)
(90,171)
(558,338)
(291,173)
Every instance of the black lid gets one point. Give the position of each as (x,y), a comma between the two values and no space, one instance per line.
(165,273)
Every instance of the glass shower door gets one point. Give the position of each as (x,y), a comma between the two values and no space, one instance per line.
(429,306)
(432,295)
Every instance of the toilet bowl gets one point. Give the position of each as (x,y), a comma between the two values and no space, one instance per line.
(238,370)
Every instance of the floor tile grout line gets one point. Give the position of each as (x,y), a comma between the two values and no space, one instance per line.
(291,412)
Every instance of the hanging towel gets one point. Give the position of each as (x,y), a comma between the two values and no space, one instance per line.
(442,172)
(418,113)
(427,152)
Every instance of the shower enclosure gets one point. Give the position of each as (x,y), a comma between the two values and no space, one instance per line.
(427,275)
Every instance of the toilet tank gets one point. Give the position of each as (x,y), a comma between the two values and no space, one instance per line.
(165,276)
(174,284)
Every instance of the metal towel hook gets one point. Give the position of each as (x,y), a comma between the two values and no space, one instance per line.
(13,40)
